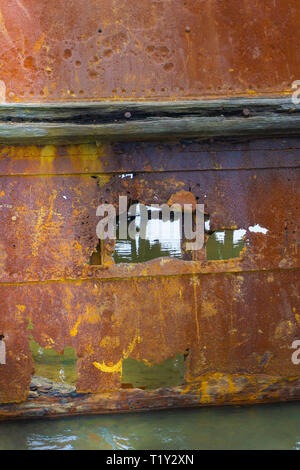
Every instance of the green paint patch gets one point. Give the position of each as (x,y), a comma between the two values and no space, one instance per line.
(51,365)
(136,374)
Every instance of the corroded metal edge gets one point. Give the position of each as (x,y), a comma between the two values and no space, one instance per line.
(131,121)
(211,389)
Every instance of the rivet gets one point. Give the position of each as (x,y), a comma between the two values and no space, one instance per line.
(127,115)
(246,112)
(187,29)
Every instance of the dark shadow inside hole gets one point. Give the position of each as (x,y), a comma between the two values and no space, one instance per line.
(96,258)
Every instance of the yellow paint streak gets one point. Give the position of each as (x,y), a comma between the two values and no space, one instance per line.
(48,340)
(39,44)
(104,368)
(205,397)
(118,366)
(46,91)
(74,330)
(20,310)
(91,315)
(212,388)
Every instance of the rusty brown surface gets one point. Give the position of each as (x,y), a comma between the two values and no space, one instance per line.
(234,317)
(210,390)
(171,49)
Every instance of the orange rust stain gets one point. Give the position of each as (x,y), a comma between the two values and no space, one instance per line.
(206,51)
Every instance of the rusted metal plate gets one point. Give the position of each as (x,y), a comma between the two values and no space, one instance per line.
(171,49)
(49,220)
(210,390)
(113,158)
(232,323)
(237,316)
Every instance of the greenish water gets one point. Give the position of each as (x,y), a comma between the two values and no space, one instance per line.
(256,427)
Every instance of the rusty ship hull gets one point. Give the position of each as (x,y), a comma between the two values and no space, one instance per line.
(194,112)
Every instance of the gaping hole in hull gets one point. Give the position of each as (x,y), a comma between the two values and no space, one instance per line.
(136,374)
(225,244)
(162,238)
(53,366)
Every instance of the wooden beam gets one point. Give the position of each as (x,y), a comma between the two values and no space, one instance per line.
(136,121)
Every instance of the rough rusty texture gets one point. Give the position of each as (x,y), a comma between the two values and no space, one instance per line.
(152,49)
(237,317)
(210,390)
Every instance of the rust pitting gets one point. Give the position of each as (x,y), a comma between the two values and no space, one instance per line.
(61,62)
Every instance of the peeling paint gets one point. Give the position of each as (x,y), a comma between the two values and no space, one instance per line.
(258,229)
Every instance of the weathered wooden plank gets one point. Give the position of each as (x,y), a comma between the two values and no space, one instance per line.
(81,122)
(149,129)
(109,109)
